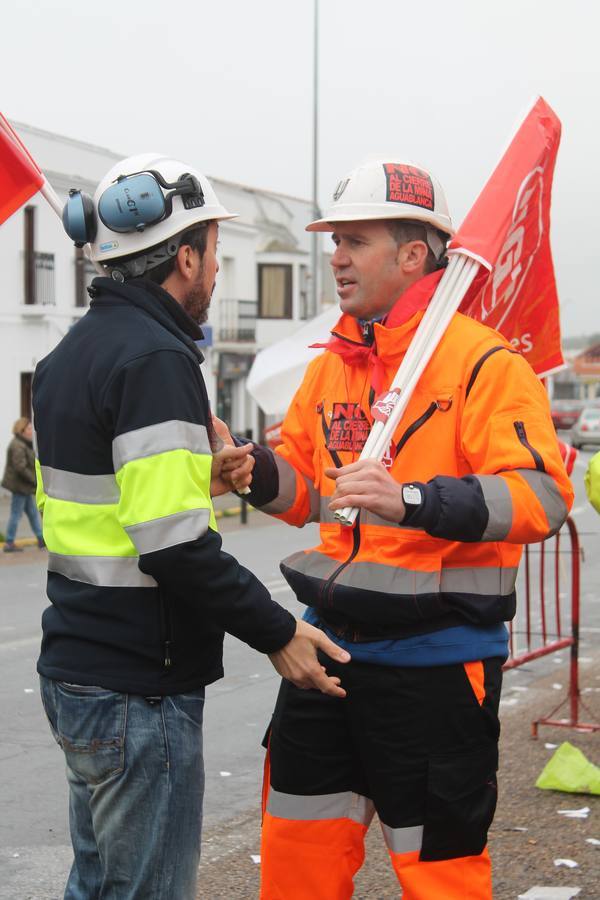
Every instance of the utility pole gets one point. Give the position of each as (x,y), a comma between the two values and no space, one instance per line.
(314,254)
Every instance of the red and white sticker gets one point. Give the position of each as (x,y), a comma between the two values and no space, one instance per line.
(383,406)
(408,184)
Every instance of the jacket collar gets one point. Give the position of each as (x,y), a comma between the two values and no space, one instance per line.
(154,301)
(394,333)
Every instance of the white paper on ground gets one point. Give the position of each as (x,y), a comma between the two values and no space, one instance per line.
(224,774)
(569,863)
(582,813)
(550,893)
(550,746)
(255,857)
(593,841)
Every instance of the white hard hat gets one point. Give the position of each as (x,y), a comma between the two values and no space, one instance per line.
(387,190)
(185,196)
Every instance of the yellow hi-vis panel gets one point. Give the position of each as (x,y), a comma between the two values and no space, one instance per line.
(40,497)
(157,486)
(85,529)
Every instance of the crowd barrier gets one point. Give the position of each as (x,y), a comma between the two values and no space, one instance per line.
(545,623)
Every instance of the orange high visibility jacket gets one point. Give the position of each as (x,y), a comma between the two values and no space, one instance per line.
(478,439)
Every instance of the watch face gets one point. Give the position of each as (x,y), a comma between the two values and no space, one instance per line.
(411,495)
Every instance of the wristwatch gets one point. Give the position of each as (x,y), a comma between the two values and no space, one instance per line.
(412,497)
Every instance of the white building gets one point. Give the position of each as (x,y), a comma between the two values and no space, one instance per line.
(262,294)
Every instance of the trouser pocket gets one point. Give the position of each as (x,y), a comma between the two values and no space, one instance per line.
(89,724)
(461,800)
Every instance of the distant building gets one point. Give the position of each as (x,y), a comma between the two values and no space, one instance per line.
(580,379)
(586,368)
(262,294)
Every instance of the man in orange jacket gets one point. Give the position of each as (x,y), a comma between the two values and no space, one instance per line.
(418,590)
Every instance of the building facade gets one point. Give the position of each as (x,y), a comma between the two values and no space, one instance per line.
(263,290)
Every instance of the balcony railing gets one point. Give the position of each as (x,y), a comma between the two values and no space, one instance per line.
(237,320)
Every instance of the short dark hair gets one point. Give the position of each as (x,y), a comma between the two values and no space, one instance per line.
(195,237)
(405,230)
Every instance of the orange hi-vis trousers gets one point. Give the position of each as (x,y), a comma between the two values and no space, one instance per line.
(416,745)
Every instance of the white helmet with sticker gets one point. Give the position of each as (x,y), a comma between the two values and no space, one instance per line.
(387,190)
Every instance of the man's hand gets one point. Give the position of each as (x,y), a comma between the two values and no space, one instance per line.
(298,662)
(367,484)
(231,466)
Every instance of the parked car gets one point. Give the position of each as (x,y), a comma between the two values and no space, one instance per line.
(586,429)
(566,412)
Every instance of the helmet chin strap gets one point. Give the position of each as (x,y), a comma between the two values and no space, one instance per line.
(135,268)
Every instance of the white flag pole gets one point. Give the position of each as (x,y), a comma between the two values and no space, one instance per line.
(46,189)
(453,286)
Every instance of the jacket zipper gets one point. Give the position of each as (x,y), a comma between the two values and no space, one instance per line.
(327,586)
(165,620)
(522,435)
(418,423)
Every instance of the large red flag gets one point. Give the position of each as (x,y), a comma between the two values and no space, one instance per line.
(20,178)
(508,230)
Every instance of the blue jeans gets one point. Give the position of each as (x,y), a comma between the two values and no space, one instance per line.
(18,504)
(136,779)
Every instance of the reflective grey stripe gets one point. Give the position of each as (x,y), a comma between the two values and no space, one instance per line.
(158,534)
(345,805)
(287,488)
(367,517)
(103,571)
(314,499)
(325,514)
(497,498)
(545,489)
(489,581)
(152,439)
(286,496)
(370,518)
(369,576)
(63,485)
(403,840)
(314,564)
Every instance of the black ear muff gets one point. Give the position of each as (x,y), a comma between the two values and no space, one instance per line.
(79,218)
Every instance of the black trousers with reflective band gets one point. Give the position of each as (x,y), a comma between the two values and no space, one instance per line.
(421,743)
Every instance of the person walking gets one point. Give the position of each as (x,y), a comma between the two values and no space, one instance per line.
(19,479)
(419,588)
(140,589)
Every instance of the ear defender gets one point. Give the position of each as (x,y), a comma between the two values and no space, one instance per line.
(79,218)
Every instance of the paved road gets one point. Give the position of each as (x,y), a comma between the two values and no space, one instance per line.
(34,844)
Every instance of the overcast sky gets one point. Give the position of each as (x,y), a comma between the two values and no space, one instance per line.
(227,85)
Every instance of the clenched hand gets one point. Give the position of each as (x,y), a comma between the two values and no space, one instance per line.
(231,466)
(367,484)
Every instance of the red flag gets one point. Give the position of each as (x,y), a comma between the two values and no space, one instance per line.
(20,178)
(508,230)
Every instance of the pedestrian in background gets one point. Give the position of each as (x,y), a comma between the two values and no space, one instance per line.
(19,479)
(592,481)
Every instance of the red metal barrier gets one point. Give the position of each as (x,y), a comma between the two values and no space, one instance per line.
(543,642)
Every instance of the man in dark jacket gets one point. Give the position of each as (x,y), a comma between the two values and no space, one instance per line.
(19,479)
(140,589)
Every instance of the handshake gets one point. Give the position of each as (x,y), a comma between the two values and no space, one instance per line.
(231,466)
